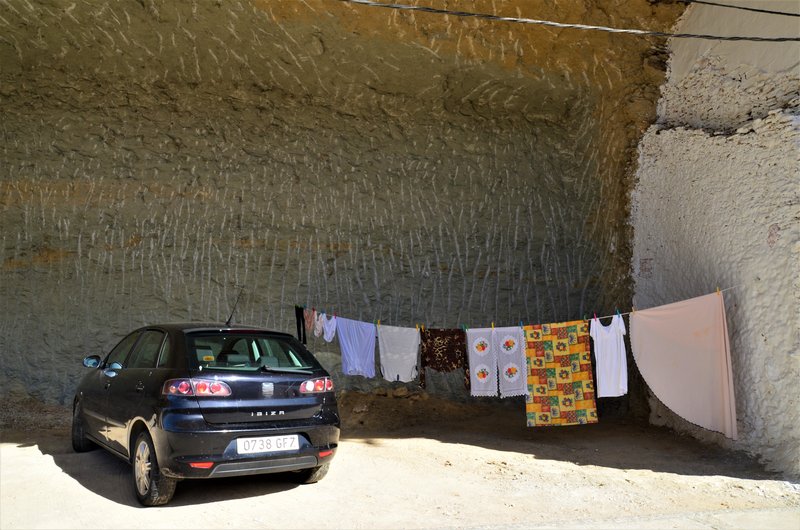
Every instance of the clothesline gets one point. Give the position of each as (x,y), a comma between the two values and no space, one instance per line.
(633,310)
(465,327)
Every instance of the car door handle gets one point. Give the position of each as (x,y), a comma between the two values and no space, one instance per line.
(139,386)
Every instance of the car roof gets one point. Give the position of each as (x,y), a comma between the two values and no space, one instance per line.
(192,327)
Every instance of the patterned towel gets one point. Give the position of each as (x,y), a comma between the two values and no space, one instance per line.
(443,350)
(309,315)
(509,349)
(560,380)
(482,357)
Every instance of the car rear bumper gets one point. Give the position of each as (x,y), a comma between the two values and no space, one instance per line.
(206,451)
(255,467)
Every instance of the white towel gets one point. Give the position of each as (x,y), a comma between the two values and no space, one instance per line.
(683,353)
(482,359)
(399,350)
(357,340)
(329,329)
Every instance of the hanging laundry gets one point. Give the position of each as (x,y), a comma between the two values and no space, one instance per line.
(398,351)
(443,350)
(560,381)
(509,347)
(482,358)
(329,329)
(319,324)
(683,353)
(309,315)
(299,317)
(357,341)
(611,365)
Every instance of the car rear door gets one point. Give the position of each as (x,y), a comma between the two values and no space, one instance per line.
(261,397)
(264,373)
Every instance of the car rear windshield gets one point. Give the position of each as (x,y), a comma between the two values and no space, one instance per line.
(248,351)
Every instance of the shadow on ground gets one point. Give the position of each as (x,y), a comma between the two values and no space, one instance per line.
(613,443)
(112,478)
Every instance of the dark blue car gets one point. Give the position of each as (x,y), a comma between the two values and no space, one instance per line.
(196,400)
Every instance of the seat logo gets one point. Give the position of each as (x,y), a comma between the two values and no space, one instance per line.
(267,389)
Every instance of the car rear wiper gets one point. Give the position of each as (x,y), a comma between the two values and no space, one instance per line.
(285,370)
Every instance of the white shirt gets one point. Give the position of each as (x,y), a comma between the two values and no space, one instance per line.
(609,352)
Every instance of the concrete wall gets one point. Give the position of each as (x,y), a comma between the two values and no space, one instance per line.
(158,154)
(716,204)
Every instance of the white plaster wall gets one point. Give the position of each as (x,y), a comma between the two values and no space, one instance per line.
(721,85)
(717,204)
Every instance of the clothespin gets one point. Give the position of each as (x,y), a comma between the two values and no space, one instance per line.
(417,325)
(617,310)
(584,318)
(379,322)
(633,309)
(718,292)
(595,316)
(520,324)
(492,325)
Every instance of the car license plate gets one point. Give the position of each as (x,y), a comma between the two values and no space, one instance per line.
(266,444)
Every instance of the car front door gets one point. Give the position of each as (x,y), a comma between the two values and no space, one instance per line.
(133,387)
(95,394)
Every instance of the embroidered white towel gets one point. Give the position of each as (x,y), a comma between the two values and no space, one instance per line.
(509,343)
(482,359)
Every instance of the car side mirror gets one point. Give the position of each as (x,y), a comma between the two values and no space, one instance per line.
(92,361)
(112,369)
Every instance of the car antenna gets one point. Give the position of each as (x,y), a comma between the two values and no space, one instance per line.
(228,322)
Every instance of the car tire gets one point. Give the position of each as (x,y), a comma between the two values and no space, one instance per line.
(151,487)
(311,475)
(80,443)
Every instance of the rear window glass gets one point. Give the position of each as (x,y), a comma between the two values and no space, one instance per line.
(247,351)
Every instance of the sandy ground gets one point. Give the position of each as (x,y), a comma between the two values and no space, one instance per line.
(411,462)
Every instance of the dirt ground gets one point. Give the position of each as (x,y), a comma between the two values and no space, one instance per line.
(411,461)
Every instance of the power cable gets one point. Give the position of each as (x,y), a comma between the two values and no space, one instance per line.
(569,26)
(743,8)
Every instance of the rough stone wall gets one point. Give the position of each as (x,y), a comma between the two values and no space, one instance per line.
(717,204)
(404,167)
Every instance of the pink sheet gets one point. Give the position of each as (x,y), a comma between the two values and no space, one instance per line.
(682,352)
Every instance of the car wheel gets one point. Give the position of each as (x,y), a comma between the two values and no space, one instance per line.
(80,443)
(152,488)
(311,475)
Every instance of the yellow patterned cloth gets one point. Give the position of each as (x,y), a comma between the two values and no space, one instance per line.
(560,381)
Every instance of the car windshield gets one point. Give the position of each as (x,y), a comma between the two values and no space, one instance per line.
(248,351)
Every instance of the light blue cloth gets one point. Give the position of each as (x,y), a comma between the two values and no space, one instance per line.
(357,340)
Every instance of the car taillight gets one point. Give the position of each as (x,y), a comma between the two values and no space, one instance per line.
(196,387)
(315,386)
